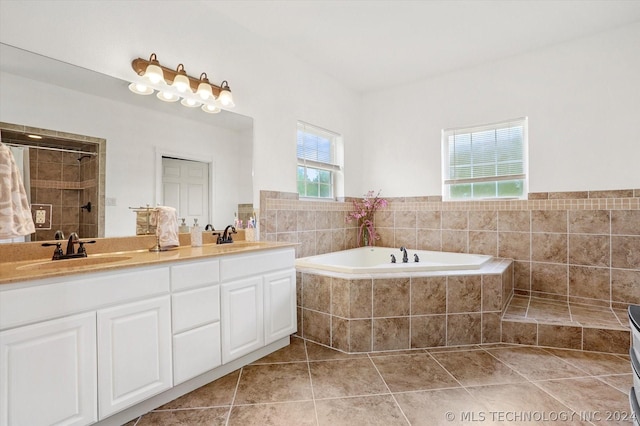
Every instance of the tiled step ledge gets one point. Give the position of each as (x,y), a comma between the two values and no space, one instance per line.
(533,321)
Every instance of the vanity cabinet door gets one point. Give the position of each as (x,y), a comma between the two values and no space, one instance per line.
(134,353)
(279,305)
(48,373)
(242,318)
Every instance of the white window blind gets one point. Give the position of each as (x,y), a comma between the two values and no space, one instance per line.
(486,161)
(316,151)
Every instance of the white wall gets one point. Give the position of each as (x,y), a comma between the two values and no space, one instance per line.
(583,103)
(133,134)
(274,88)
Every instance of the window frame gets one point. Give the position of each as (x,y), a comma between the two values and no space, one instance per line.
(334,166)
(448,181)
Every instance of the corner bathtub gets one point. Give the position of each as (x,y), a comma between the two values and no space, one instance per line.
(365,260)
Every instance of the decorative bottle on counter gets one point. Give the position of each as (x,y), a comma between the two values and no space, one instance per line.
(184,228)
(196,234)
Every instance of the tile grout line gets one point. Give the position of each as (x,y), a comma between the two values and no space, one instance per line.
(389,389)
(233,399)
(313,394)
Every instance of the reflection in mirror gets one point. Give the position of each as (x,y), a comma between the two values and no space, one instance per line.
(45,93)
(63,176)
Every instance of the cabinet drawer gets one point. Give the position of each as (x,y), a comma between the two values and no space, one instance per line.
(233,267)
(57,297)
(195,352)
(194,308)
(196,274)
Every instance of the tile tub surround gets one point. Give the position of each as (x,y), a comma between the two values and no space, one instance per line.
(580,247)
(309,384)
(382,312)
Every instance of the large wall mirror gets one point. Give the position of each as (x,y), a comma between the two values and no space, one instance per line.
(87,111)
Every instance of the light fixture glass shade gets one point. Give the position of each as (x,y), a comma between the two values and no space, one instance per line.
(168,97)
(140,89)
(204,91)
(211,109)
(154,73)
(226,98)
(188,102)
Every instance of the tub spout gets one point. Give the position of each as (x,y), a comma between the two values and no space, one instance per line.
(405,257)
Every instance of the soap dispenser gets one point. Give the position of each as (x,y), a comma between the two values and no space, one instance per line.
(183,228)
(196,234)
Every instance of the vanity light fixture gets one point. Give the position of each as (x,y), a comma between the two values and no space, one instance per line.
(176,85)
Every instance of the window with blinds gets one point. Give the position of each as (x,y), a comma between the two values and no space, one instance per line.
(317,163)
(485,162)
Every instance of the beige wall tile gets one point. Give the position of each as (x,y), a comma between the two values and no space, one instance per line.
(340,334)
(604,340)
(428,295)
(549,221)
(361,298)
(625,222)
(316,326)
(625,252)
(589,282)
(491,293)
(428,239)
(524,333)
(454,241)
(590,250)
(464,293)
(514,221)
(549,247)
(549,278)
(483,220)
(625,286)
(340,297)
(464,329)
(589,221)
(391,297)
(481,242)
(455,220)
(316,292)
(360,335)
(514,245)
(560,336)
(428,219)
(428,331)
(405,219)
(491,327)
(390,334)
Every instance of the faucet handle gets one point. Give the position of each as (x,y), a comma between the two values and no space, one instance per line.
(57,252)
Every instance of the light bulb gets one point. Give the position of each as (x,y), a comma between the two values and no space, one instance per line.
(211,109)
(167,96)
(140,89)
(188,102)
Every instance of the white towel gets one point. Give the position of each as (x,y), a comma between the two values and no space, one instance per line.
(167,229)
(15,213)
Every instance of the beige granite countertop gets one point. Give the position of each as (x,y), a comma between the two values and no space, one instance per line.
(26,270)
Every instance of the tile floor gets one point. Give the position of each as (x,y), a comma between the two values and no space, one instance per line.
(308,384)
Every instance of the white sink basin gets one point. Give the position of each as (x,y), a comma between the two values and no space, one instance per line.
(73,263)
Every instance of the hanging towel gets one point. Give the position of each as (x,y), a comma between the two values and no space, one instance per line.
(15,213)
(167,227)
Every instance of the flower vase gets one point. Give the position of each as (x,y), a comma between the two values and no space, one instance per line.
(364,235)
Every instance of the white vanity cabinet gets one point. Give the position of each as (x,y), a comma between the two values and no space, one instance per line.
(195,303)
(134,353)
(48,373)
(74,350)
(258,300)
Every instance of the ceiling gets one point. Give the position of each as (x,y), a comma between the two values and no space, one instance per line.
(368,45)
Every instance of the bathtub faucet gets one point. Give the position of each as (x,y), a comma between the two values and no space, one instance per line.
(405,257)
(393,258)
(416,258)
